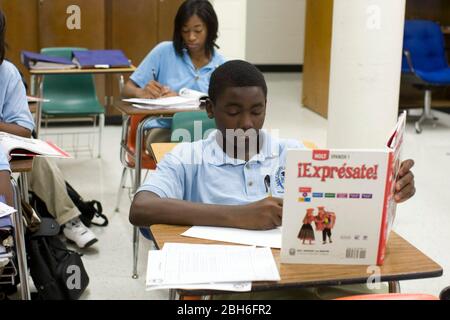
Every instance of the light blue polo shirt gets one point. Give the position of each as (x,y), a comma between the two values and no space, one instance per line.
(173,70)
(4,164)
(201,172)
(13,99)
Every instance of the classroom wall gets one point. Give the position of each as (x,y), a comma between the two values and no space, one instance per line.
(364,72)
(232,15)
(275,31)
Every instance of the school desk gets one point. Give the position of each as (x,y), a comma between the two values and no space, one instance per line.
(403,262)
(22,167)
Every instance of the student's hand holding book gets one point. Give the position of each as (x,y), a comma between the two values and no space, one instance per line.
(264,214)
(404,186)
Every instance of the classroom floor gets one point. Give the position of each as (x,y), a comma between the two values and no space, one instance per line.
(424,220)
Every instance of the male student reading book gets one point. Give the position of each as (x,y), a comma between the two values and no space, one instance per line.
(220,181)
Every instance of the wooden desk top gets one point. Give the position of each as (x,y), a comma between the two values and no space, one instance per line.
(159,149)
(403,262)
(21,165)
(79,71)
(128,109)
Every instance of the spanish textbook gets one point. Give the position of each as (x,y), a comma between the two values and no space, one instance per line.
(339,206)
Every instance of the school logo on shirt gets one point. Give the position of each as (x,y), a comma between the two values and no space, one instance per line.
(279,179)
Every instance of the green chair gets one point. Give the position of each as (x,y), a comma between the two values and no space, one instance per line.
(191,126)
(72,97)
(186,127)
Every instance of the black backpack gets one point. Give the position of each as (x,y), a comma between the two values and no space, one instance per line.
(58,273)
(88,209)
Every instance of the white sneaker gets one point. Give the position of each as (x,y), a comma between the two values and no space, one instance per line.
(77,232)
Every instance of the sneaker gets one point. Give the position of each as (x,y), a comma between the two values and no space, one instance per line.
(77,232)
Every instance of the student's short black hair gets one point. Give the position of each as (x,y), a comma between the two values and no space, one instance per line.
(235,73)
(205,11)
(2,36)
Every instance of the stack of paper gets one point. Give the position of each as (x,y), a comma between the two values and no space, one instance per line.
(5,233)
(177,102)
(6,210)
(214,267)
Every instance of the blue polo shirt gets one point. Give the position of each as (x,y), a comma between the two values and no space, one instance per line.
(173,70)
(13,99)
(4,164)
(201,172)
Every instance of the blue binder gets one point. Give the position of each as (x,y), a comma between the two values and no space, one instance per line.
(101,58)
(28,57)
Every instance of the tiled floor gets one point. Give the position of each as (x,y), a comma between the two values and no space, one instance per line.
(424,220)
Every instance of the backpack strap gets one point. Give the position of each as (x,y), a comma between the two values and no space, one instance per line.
(98,213)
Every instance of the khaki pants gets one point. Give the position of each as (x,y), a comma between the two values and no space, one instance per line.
(319,293)
(47,182)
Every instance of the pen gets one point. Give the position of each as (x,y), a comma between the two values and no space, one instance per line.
(267,184)
(154,74)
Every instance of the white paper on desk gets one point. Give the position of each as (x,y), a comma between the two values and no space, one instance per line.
(260,238)
(196,263)
(149,107)
(154,271)
(169,101)
(6,210)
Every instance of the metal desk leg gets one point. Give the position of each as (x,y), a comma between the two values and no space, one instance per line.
(137,183)
(24,186)
(394,287)
(19,236)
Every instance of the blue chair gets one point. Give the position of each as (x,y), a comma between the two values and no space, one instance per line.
(425,61)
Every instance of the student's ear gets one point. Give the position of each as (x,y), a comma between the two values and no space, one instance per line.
(209,106)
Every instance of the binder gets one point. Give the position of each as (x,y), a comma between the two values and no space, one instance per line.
(87,59)
(33,60)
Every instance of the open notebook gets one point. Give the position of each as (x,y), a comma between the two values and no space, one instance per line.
(186,98)
(19,148)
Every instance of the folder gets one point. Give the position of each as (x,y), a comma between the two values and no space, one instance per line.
(87,59)
(34,60)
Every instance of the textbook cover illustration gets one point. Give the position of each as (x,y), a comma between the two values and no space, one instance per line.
(21,148)
(339,206)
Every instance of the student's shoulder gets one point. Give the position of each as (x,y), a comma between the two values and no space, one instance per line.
(164,47)
(9,71)
(219,58)
(186,153)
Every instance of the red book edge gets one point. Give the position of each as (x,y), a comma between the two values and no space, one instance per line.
(383,234)
(51,144)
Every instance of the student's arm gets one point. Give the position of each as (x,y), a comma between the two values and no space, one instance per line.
(15,129)
(148,209)
(5,187)
(152,90)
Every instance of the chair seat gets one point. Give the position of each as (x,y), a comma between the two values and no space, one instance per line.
(438,77)
(72,107)
(147,161)
(159,123)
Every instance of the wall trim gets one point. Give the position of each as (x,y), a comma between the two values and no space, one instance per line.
(280,67)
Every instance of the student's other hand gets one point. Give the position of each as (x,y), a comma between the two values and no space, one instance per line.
(153,90)
(404,186)
(262,215)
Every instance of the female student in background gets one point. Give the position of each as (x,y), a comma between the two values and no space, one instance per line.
(187,61)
